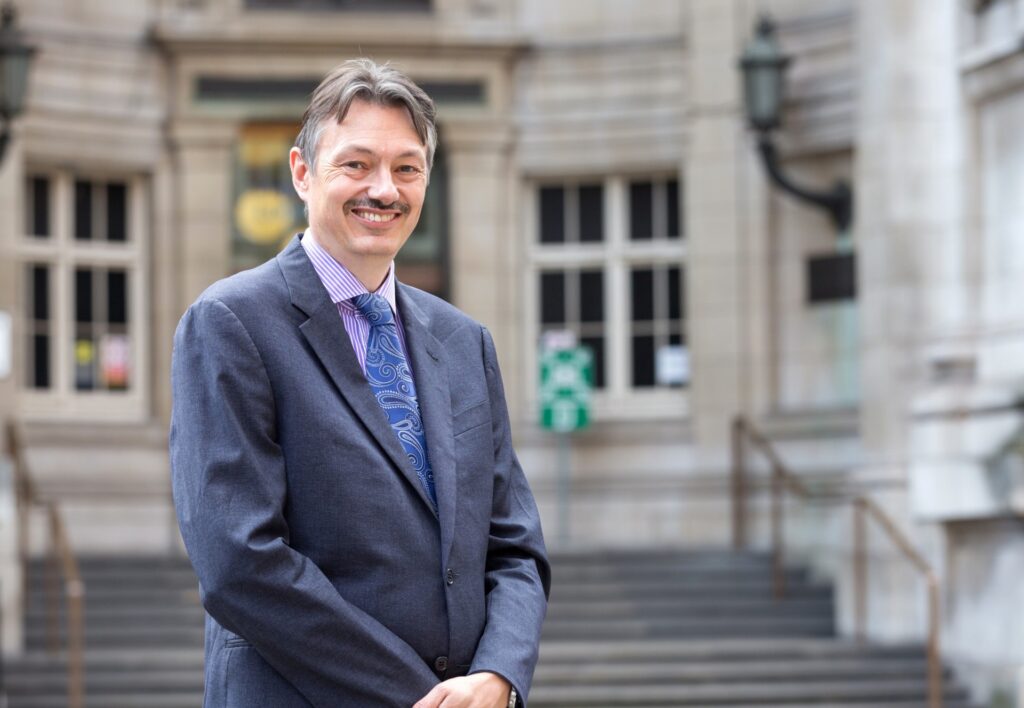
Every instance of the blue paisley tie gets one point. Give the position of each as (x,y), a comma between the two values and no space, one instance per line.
(390,378)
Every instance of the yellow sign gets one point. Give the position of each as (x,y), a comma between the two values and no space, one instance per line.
(263,215)
(85,352)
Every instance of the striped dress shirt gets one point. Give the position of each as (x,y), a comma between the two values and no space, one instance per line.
(342,286)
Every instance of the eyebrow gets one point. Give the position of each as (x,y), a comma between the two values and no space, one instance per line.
(367,151)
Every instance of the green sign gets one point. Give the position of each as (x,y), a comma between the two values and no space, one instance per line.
(565,382)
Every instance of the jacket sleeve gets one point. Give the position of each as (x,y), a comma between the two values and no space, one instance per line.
(518,576)
(228,478)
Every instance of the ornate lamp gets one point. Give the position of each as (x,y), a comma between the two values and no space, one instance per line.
(764,67)
(15,58)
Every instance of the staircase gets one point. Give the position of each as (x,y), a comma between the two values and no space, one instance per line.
(701,628)
(637,630)
(143,638)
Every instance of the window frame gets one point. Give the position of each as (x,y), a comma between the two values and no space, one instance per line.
(63,253)
(615,256)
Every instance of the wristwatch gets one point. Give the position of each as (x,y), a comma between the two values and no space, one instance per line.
(513,698)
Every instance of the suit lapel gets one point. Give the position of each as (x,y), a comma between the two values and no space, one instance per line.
(326,335)
(430,371)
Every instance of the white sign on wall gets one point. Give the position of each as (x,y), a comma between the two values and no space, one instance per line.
(5,344)
(672,365)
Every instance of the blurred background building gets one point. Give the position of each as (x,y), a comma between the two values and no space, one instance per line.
(596,174)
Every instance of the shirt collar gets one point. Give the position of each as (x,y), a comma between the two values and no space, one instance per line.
(341,285)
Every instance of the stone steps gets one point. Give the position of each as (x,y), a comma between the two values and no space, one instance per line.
(704,629)
(641,629)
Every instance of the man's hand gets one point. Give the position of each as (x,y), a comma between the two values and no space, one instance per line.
(482,690)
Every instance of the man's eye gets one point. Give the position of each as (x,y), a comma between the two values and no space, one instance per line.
(354,165)
(409,169)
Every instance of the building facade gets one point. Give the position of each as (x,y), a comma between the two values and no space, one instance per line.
(595,176)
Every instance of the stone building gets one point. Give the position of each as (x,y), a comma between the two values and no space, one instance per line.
(595,175)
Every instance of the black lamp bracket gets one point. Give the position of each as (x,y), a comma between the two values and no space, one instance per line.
(838,202)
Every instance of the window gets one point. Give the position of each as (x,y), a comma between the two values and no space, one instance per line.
(608,260)
(82,261)
(656,325)
(39,328)
(572,214)
(654,210)
(573,300)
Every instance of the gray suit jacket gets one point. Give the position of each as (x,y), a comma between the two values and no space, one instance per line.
(327,576)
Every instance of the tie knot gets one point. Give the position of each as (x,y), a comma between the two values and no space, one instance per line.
(375,309)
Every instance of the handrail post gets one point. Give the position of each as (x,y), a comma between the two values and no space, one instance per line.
(52,565)
(778,578)
(739,486)
(934,661)
(76,664)
(860,569)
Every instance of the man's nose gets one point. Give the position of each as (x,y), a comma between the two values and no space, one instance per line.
(382,186)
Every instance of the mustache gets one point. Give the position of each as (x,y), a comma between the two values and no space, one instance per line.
(368,203)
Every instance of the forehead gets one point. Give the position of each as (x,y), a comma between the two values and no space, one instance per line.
(373,127)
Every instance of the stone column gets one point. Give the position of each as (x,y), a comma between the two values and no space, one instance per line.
(909,220)
(202,186)
(483,238)
(168,301)
(713,173)
(12,302)
(909,212)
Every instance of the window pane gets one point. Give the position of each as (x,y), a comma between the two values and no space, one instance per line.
(37,213)
(40,358)
(83,295)
(552,215)
(117,215)
(117,297)
(675,294)
(672,204)
(591,213)
(83,210)
(643,360)
(39,283)
(642,280)
(640,207)
(591,296)
(552,298)
(596,345)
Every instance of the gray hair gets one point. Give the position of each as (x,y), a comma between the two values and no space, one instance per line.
(365,80)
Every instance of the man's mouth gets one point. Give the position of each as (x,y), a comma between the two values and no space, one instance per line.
(376,211)
(375,216)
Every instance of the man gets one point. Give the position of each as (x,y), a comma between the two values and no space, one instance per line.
(341,458)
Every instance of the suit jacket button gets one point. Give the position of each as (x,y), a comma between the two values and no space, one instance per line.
(441,664)
(449,576)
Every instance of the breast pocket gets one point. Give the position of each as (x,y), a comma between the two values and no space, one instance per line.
(471,418)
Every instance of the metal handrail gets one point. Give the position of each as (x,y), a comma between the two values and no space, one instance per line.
(60,561)
(782,479)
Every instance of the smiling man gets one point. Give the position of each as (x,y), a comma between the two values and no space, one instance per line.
(340,449)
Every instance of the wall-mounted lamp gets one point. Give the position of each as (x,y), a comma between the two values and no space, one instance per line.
(15,58)
(764,67)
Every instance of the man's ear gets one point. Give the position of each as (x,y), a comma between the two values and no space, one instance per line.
(301,174)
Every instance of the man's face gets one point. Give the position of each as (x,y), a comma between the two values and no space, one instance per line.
(366,195)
